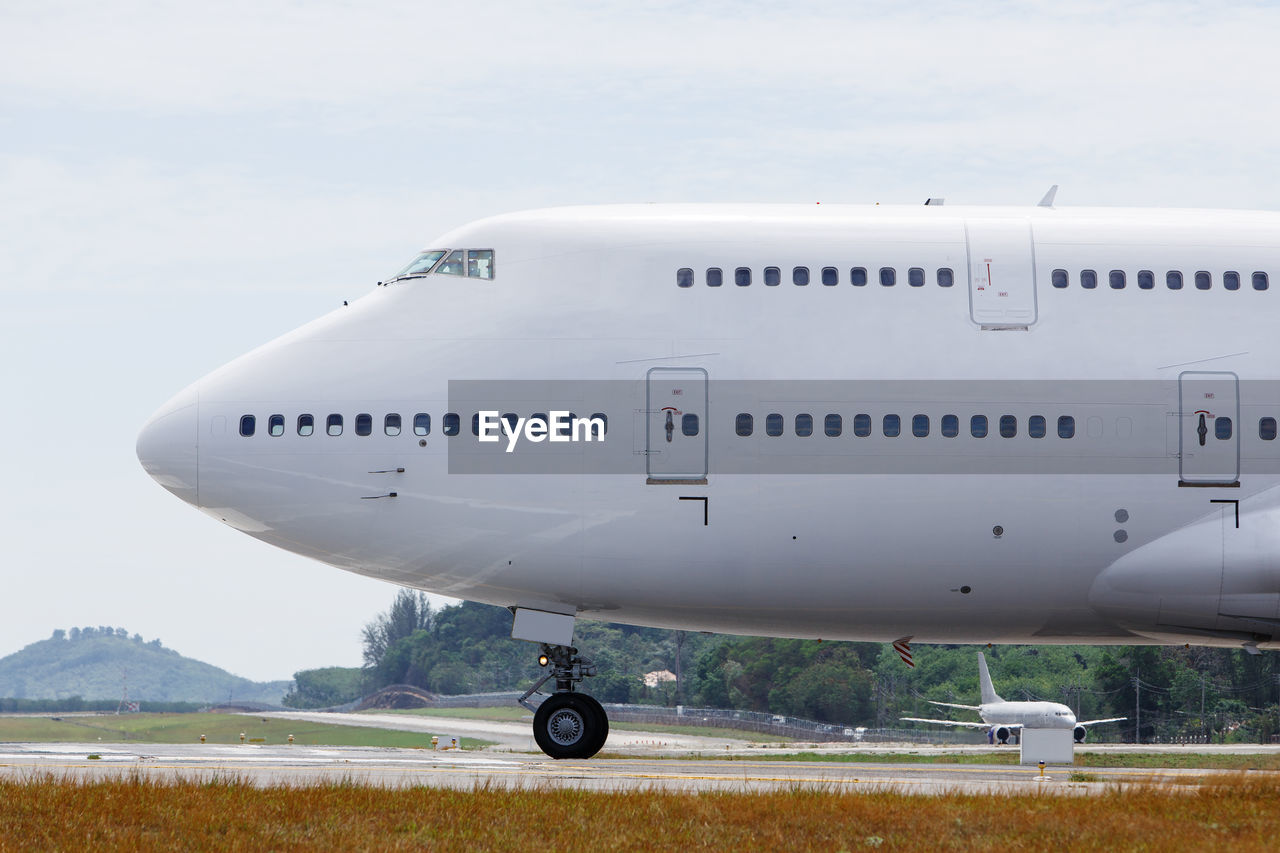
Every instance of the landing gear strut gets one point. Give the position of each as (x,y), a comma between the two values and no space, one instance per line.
(567,724)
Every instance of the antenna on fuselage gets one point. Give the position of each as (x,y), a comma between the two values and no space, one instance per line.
(935,202)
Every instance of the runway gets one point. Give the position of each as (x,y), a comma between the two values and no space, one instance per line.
(260,764)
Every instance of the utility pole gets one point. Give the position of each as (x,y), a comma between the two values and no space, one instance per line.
(1204,724)
(679,683)
(1137,726)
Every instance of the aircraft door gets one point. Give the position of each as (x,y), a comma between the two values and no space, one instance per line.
(1002,273)
(676,428)
(1209,433)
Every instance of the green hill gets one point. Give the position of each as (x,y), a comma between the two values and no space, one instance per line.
(97,663)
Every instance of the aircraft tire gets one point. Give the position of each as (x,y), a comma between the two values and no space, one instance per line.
(567,726)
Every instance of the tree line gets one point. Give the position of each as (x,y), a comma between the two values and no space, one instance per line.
(1169,692)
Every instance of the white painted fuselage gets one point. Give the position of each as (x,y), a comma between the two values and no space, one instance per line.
(1111,535)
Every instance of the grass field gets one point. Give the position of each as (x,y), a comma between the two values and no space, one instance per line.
(187,728)
(1138,760)
(137,814)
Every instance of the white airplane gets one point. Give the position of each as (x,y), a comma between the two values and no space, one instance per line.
(1002,719)
(961,424)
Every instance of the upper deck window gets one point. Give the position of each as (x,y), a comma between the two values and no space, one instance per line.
(1173,278)
(915,277)
(684,277)
(888,276)
(420,265)
(742,276)
(800,276)
(1260,281)
(772,276)
(1146,279)
(1204,280)
(858,276)
(830,276)
(1088,279)
(1231,280)
(1116,279)
(715,277)
(452,264)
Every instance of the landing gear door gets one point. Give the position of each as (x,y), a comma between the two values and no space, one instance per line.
(1209,433)
(676,434)
(1002,273)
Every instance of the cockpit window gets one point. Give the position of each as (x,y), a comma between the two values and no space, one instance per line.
(422,264)
(452,265)
(480,263)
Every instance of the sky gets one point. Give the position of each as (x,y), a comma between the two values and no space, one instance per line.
(179,184)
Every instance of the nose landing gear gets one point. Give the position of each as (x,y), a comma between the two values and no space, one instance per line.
(567,724)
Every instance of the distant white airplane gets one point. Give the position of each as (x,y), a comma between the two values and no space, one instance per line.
(1002,718)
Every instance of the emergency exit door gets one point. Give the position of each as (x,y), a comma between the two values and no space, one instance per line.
(676,433)
(1002,273)
(1209,434)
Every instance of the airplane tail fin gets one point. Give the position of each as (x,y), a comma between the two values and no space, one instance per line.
(984,679)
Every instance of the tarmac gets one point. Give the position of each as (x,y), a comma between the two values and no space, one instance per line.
(631,760)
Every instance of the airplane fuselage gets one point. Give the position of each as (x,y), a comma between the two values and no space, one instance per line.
(921,434)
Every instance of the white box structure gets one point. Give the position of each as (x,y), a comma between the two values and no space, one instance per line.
(542,627)
(1052,746)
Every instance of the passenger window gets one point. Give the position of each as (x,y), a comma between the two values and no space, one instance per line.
(862,425)
(800,276)
(306,424)
(1260,281)
(1231,281)
(275,425)
(804,425)
(1116,279)
(1146,279)
(858,276)
(1036,426)
(1066,427)
(689,424)
(422,424)
(978,426)
(452,264)
(920,426)
(1008,426)
(830,277)
(1267,429)
(772,276)
(452,423)
(833,425)
(364,424)
(892,426)
(743,424)
(950,426)
(715,277)
(684,277)
(475,424)
(773,424)
(1060,278)
(248,423)
(1173,280)
(480,263)
(742,276)
(333,425)
(915,277)
(391,425)
(1204,281)
(888,276)
(604,424)
(1088,279)
(946,277)
(1222,428)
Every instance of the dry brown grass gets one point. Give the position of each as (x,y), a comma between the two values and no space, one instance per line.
(43,813)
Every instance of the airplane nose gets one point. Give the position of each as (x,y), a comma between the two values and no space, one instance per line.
(167,446)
